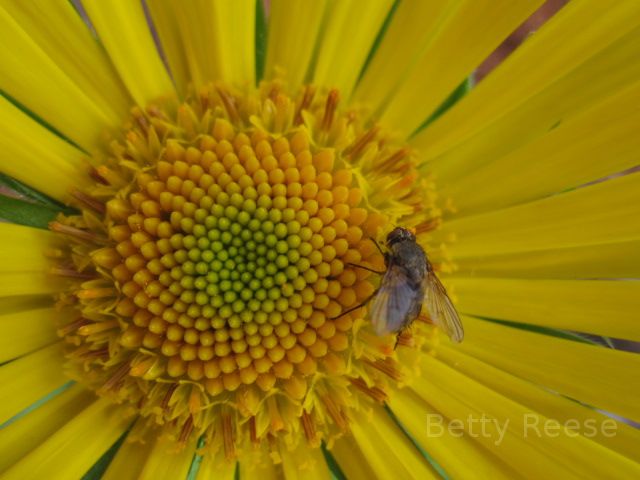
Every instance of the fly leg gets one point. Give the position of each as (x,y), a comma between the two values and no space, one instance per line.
(366,268)
(362,304)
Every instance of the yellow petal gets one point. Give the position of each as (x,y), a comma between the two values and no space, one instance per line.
(37,157)
(217,39)
(416,20)
(582,28)
(346,41)
(164,462)
(27,379)
(73,449)
(171,38)
(351,459)
(387,449)
(62,34)
(265,470)
(543,401)
(220,471)
(531,443)
(587,85)
(23,248)
(23,435)
(458,455)
(34,79)
(293,31)
(461,43)
(27,330)
(304,463)
(29,283)
(128,461)
(595,375)
(607,260)
(603,213)
(599,307)
(122,28)
(596,143)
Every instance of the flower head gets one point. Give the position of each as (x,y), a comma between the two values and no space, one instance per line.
(205,286)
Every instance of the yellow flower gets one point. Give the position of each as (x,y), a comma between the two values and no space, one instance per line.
(198,305)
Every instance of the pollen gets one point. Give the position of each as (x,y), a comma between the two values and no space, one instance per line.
(211,265)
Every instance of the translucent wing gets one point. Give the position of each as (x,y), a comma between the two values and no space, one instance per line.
(395,301)
(442,311)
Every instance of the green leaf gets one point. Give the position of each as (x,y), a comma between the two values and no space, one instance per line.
(552,332)
(26,213)
(379,37)
(455,96)
(97,471)
(261,39)
(434,464)
(30,193)
(334,468)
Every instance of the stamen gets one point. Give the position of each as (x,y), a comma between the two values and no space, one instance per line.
(307,98)
(387,366)
(75,232)
(309,428)
(88,200)
(374,392)
(427,226)
(330,109)
(228,437)
(229,104)
(357,147)
(70,273)
(335,413)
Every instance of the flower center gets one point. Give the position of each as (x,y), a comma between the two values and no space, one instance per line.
(214,262)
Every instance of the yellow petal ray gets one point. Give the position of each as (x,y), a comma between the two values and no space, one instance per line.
(27,379)
(236,26)
(463,36)
(164,462)
(599,307)
(352,461)
(128,461)
(24,248)
(346,41)
(413,19)
(595,375)
(264,470)
(304,463)
(29,283)
(599,142)
(510,427)
(122,28)
(209,469)
(600,77)
(26,331)
(543,401)
(582,28)
(73,449)
(603,213)
(34,79)
(210,40)
(170,36)
(293,30)
(35,156)
(457,454)
(387,449)
(22,436)
(607,260)
(61,33)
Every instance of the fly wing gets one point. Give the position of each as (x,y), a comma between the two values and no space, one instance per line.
(441,309)
(394,301)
